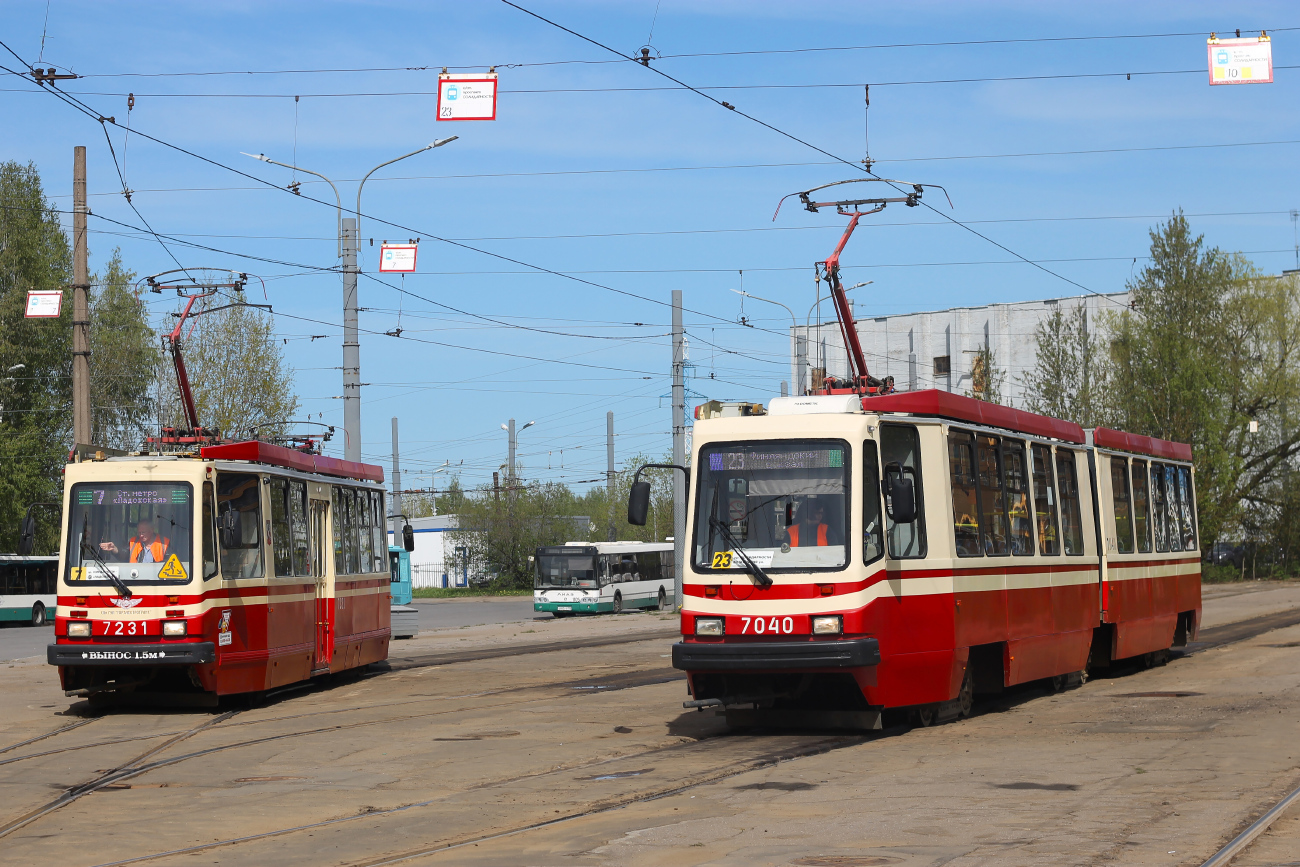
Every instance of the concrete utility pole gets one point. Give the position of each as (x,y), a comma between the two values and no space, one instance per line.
(609,472)
(81,432)
(510,453)
(397,490)
(679,448)
(351,347)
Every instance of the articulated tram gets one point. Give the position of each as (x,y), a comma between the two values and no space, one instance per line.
(854,554)
(230,568)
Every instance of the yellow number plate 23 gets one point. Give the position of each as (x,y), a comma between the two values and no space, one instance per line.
(722,560)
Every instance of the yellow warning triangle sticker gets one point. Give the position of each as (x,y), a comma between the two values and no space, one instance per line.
(172,570)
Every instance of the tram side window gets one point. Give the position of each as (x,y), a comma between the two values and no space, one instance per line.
(1141,507)
(1159,511)
(239,520)
(1171,508)
(1071,520)
(298,524)
(281,538)
(1045,502)
(1123,507)
(901,445)
(1186,509)
(209,530)
(965,508)
(365,541)
(1016,486)
(340,520)
(378,535)
(873,546)
(993,508)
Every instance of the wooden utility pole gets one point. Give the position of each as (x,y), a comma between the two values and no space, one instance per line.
(81,430)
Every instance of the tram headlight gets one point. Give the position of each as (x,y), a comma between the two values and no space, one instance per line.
(174,629)
(78,628)
(708,626)
(831,624)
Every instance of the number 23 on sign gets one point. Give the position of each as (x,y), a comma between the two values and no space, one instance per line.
(722,560)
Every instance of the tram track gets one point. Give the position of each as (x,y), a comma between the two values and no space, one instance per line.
(1210,638)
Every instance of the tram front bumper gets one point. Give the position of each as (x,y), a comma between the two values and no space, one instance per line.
(776,656)
(191,653)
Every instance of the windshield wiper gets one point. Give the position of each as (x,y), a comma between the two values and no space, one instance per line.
(759,575)
(88,548)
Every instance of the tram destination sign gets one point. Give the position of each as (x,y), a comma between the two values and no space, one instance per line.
(1241,61)
(793,459)
(467,97)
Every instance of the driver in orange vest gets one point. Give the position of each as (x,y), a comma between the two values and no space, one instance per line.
(810,526)
(146,545)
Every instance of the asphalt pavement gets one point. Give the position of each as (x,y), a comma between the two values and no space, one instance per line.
(18,640)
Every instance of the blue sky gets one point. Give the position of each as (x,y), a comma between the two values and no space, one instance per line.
(588,172)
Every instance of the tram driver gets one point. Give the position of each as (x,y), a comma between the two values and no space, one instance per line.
(811,528)
(146,546)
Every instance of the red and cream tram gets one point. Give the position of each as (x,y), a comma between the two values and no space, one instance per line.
(851,553)
(233,568)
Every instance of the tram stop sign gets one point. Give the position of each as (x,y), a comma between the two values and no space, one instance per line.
(1241,61)
(44,305)
(467,97)
(397,258)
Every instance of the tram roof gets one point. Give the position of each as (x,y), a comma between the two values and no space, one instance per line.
(961,408)
(958,407)
(269,453)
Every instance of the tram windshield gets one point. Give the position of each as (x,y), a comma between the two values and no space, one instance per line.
(782,502)
(134,532)
(571,568)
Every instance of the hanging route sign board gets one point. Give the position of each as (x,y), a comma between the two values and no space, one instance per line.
(1241,61)
(397,258)
(44,305)
(467,97)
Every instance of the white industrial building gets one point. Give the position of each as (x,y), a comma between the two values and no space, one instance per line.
(436,560)
(937,349)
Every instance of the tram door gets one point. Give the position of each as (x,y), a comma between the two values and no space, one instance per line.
(319,558)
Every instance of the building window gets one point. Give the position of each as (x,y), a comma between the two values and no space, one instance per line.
(942,365)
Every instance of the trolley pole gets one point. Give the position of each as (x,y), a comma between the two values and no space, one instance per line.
(609,472)
(397,490)
(679,448)
(81,425)
(351,346)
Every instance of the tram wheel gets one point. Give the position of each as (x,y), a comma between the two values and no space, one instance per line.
(966,696)
(38,614)
(924,716)
(1059,682)
(618,602)
(663,600)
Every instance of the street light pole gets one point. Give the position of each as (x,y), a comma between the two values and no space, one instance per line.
(512,443)
(800,346)
(349,241)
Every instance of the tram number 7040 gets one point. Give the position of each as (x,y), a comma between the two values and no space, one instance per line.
(765,625)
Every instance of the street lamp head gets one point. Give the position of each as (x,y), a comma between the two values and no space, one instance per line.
(527,426)
(505,427)
(442,141)
(16,367)
(859,285)
(261,157)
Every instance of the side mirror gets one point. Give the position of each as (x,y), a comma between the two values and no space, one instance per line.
(638,504)
(230,529)
(900,495)
(408,537)
(27,542)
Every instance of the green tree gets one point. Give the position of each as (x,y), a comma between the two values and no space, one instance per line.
(237,372)
(659,520)
(986,378)
(1210,346)
(1068,376)
(124,357)
(503,527)
(35,356)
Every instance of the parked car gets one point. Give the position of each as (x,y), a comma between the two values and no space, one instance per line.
(1226,554)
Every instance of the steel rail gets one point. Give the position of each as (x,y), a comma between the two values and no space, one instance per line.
(1239,843)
